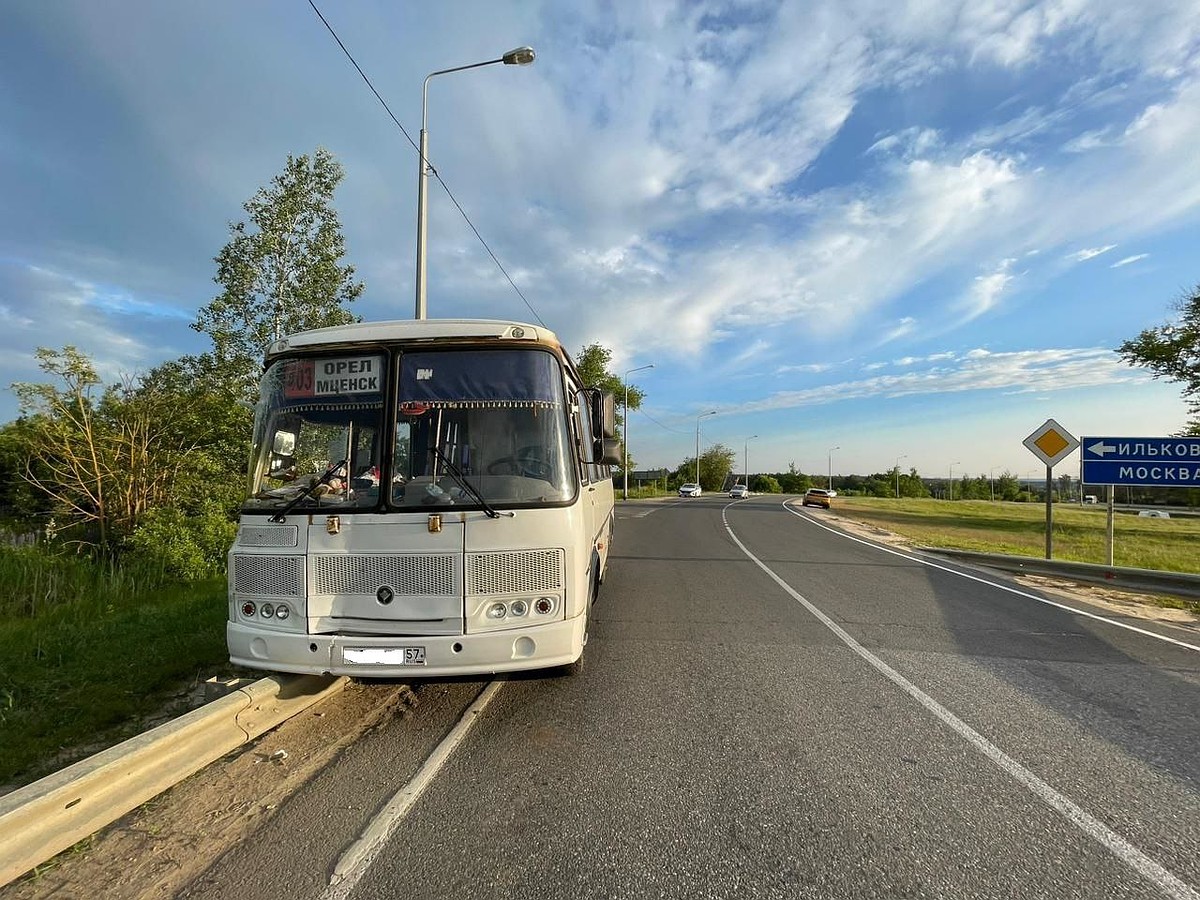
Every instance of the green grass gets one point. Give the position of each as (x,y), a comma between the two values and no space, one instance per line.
(87,651)
(644,492)
(1171,545)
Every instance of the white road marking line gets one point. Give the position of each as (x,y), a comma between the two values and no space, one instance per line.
(1002,587)
(1153,871)
(355,862)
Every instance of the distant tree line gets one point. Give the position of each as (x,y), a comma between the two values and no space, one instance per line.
(717,474)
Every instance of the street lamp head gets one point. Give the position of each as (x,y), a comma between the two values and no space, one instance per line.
(522,56)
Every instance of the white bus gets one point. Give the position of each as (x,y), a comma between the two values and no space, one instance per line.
(425,498)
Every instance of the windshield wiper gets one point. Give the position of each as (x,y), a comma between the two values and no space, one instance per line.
(464,484)
(324,479)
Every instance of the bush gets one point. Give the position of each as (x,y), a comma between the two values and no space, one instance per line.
(187,546)
(766,484)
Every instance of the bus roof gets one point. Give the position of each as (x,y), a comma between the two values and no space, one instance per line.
(415,330)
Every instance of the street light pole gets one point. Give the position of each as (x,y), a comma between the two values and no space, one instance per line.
(898,458)
(952,465)
(746,460)
(698,418)
(625,440)
(831,449)
(522,56)
(992,482)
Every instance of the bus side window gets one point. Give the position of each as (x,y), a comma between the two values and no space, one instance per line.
(583,429)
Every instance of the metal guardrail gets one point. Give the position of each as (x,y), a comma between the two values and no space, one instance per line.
(48,816)
(1146,581)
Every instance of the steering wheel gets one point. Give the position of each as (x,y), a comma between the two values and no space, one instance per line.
(527,462)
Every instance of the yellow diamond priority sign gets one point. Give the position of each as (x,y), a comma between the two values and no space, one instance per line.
(1051,443)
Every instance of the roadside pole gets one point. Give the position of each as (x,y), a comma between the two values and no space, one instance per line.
(1051,443)
(1112,493)
(1049,514)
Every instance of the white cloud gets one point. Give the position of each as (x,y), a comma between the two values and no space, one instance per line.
(911,142)
(1090,140)
(808,367)
(649,182)
(987,290)
(1089,253)
(933,357)
(906,326)
(1127,260)
(1024,371)
(1034,121)
(42,308)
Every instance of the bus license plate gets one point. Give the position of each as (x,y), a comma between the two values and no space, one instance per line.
(385,656)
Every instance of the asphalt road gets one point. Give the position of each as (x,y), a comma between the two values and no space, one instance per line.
(856,724)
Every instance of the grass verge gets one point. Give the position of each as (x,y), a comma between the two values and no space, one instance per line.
(1168,545)
(87,652)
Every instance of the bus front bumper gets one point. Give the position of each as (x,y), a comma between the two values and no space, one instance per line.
(536,647)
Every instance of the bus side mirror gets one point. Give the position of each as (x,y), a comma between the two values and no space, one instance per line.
(604,414)
(283,454)
(608,451)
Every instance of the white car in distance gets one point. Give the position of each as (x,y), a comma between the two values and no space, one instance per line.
(690,490)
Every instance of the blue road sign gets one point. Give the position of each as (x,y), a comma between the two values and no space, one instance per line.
(1142,461)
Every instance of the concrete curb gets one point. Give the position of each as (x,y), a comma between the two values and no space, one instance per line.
(50,815)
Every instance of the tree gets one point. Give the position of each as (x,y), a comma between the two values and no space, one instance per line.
(1172,351)
(911,485)
(793,481)
(1008,487)
(218,424)
(1064,486)
(106,457)
(715,465)
(21,504)
(282,273)
(766,484)
(593,364)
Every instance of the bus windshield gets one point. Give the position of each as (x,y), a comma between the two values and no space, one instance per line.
(493,420)
(465,422)
(317,434)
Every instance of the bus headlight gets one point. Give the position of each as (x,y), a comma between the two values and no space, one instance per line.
(266,610)
(497,611)
(518,608)
(249,609)
(544,606)
(282,611)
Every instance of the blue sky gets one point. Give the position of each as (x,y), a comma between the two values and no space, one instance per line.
(909,231)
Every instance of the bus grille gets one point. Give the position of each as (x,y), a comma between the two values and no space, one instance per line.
(268,576)
(517,572)
(262,536)
(421,576)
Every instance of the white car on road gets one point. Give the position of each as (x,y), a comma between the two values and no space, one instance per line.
(690,490)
